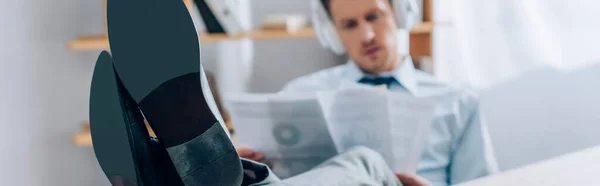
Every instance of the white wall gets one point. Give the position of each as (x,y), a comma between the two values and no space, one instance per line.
(534,112)
(44,92)
(16,160)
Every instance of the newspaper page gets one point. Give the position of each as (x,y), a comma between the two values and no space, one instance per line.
(394,124)
(290,129)
(300,131)
(411,119)
(358,117)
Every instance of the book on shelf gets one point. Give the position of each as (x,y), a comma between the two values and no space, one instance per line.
(290,23)
(220,16)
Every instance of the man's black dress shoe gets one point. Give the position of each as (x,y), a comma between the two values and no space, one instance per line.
(157,58)
(120,138)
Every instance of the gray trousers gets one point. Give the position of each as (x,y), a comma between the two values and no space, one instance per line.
(357,166)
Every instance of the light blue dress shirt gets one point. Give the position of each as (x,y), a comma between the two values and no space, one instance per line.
(458,148)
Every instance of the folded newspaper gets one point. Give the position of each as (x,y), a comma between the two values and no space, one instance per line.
(298,131)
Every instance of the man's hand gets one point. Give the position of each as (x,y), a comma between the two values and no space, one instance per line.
(251,154)
(412,180)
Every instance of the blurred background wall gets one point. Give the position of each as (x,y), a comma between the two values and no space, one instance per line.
(45,88)
(536,66)
(483,43)
(274,58)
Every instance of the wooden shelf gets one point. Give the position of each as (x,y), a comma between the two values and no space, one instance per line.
(90,43)
(423,28)
(84,138)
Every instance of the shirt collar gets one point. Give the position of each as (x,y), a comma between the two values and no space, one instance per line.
(405,74)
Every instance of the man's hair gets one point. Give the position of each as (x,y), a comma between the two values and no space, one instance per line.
(326,5)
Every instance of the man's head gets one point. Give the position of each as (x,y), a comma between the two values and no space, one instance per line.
(367,30)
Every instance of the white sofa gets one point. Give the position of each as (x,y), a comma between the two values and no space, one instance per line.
(543,114)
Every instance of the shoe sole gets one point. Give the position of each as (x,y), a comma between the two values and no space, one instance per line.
(119,136)
(111,135)
(157,57)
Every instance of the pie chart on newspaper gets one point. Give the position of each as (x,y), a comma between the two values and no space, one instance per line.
(287,135)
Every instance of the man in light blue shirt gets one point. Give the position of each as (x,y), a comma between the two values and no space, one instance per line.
(374,34)
(458,148)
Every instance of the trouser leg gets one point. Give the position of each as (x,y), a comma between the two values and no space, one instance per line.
(357,166)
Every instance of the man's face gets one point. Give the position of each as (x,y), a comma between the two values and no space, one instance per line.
(367,29)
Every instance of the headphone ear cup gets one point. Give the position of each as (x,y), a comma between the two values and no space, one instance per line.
(324,28)
(334,40)
(406,13)
(319,23)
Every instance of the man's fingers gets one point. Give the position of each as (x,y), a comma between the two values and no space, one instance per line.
(406,178)
(258,156)
(412,180)
(251,154)
(245,152)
